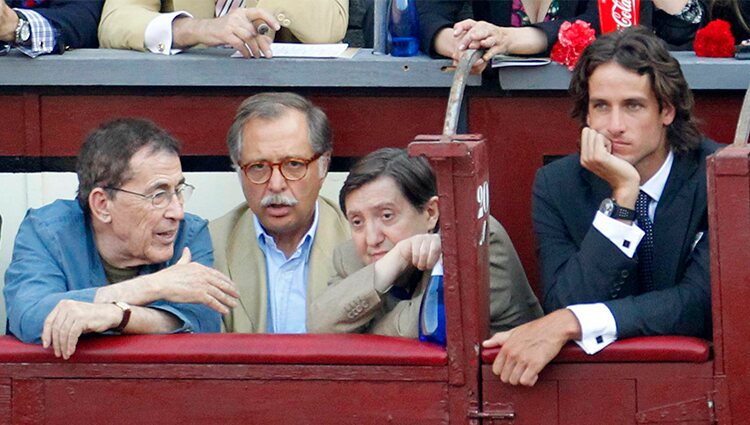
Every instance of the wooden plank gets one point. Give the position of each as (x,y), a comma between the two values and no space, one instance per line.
(12,138)
(361,124)
(229,371)
(28,402)
(597,401)
(531,405)
(135,401)
(5,400)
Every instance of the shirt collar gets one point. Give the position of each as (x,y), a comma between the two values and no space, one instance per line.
(655,185)
(266,239)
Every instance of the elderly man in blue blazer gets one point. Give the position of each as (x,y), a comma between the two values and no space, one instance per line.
(622,226)
(37,27)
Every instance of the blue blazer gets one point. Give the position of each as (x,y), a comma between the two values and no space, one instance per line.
(580,265)
(76,21)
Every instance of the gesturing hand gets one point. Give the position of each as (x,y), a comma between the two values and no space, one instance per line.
(191,282)
(70,319)
(528,348)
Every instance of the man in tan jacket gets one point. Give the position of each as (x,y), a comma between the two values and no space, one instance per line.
(167,26)
(277,246)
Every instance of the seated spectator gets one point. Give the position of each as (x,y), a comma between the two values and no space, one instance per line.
(639,264)
(48,26)
(168,27)
(736,12)
(390,200)
(276,246)
(122,258)
(529,27)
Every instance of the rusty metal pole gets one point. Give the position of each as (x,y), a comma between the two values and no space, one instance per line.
(460,164)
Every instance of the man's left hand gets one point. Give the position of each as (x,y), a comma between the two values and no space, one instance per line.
(70,319)
(528,348)
(8,23)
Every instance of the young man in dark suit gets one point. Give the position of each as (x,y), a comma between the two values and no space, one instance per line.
(609,271)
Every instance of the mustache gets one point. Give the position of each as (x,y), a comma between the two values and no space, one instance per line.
(276,199)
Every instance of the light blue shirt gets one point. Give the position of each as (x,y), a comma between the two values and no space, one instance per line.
(55,258)
(287,280)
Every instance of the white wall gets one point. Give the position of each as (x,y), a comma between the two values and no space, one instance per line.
(215,194)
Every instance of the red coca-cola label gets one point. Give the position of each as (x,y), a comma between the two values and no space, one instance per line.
(618,14)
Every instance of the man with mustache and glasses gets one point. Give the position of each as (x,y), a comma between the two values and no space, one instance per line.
(277,246)
(122,258)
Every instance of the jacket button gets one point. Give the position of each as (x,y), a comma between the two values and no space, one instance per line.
(625,273)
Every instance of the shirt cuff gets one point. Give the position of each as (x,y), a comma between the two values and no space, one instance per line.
(43,35)
(625,237)
(598,327)
(158,35)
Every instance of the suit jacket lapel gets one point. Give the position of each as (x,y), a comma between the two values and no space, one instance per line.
(247,267)
(672,221)
(321,262)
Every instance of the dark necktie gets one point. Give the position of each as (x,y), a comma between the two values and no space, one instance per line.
(646,247)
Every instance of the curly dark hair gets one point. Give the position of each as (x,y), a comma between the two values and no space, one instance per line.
(639,50)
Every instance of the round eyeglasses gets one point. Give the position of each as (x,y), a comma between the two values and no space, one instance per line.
(162,198)
(291,169)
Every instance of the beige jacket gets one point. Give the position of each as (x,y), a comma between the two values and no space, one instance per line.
(123,23)
(351,304)
(238,255)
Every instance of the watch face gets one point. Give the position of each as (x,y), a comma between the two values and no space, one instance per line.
(25,32)
(607,207)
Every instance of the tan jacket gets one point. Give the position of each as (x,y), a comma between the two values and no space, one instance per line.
(124,22)
(351,304)
(238,255)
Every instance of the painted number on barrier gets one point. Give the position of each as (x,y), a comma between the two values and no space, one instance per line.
(483,199)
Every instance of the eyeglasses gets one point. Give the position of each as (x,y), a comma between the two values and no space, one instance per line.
(162,198)
(292,169)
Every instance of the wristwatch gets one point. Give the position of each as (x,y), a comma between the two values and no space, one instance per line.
(610,208)
(23,31)
(125,316)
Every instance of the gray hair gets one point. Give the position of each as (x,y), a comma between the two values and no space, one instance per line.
(273,105)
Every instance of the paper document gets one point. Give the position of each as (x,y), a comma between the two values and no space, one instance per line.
(507,60)
(299,50)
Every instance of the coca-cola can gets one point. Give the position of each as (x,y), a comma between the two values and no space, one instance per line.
(618,14)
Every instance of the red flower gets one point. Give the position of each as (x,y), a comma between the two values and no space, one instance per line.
(572,39)
(715,40)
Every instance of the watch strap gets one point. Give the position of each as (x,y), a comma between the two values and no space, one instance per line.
(125,316)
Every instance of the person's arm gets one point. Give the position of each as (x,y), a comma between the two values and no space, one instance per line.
(594,268)
(512,301)
(436,20)
(311,21)
(35,281)
(190,290)
(677,21)
(571,11)
(352,301)
(75,22)
(528,348)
